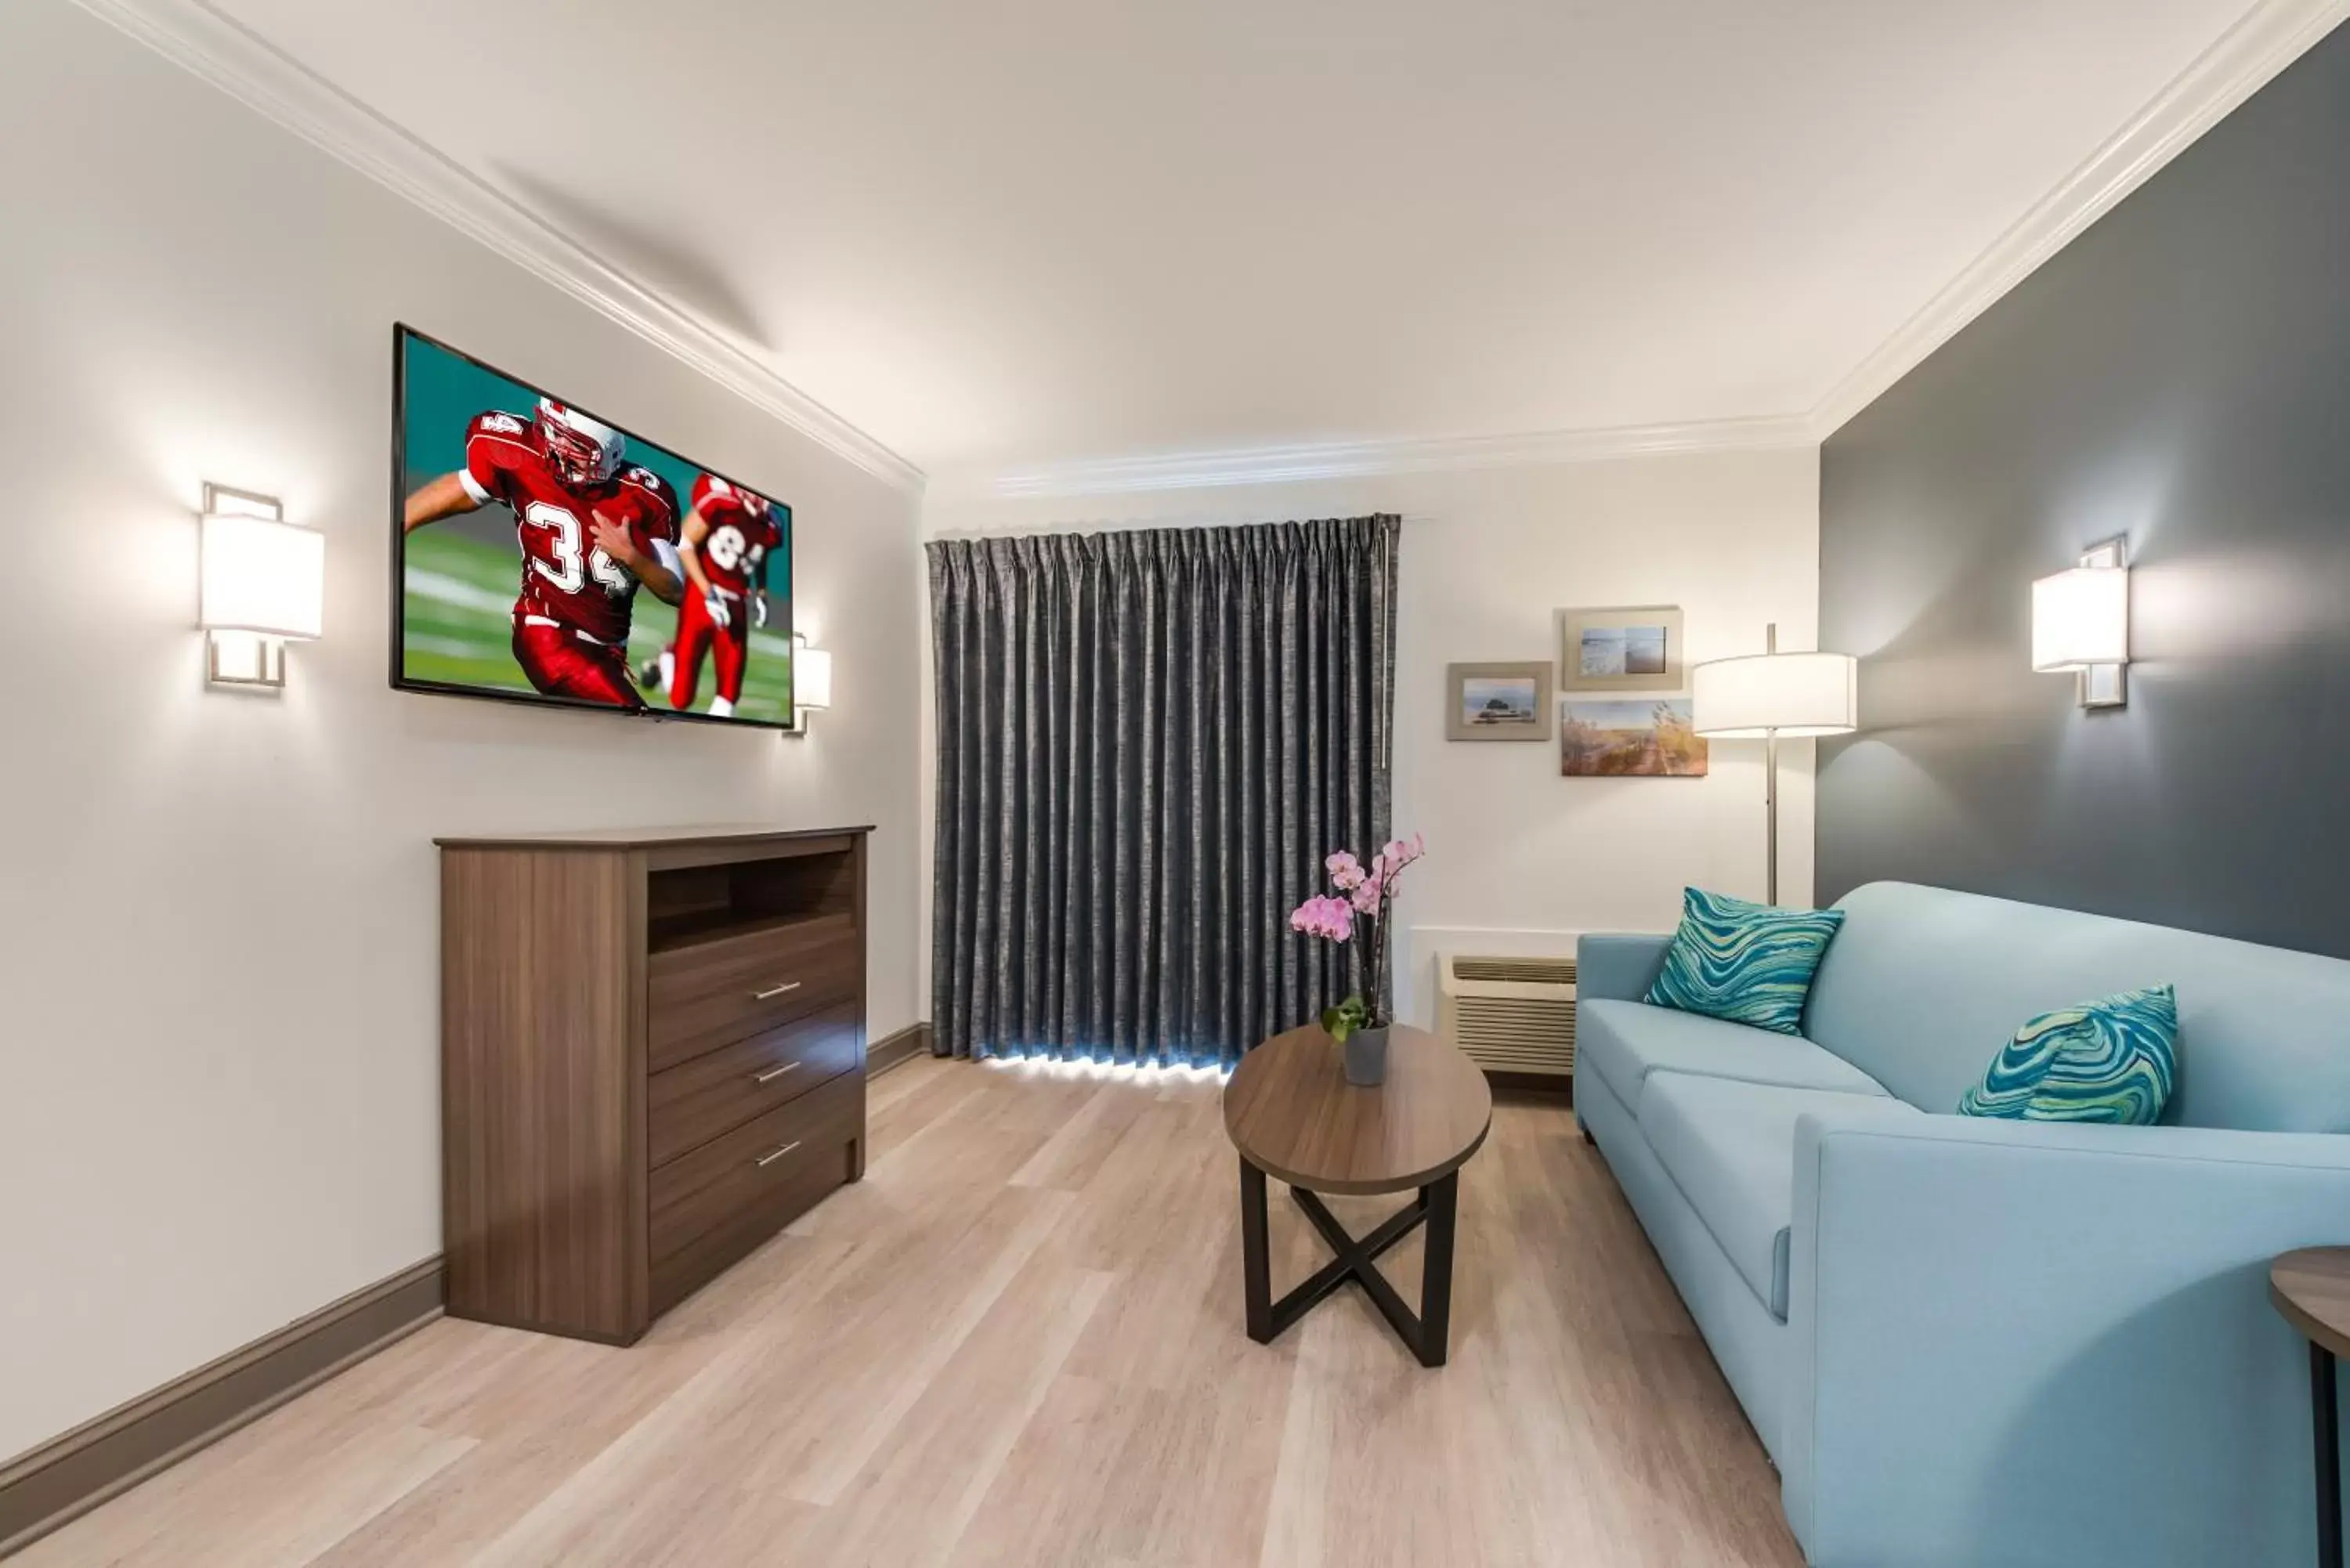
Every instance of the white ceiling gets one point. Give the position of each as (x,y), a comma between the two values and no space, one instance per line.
(994,235)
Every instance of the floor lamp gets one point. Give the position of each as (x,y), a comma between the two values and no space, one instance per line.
(1770,696)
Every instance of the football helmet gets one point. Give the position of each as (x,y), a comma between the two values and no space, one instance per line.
(750,501)
(583,452)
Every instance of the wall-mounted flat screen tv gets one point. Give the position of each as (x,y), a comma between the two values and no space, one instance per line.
(545,555)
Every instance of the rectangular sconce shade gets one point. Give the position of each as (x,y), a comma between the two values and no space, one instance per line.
(1787,694)
(2080,617)
(261,575)
(811,676)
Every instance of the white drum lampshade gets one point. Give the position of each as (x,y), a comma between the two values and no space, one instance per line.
(1789,695)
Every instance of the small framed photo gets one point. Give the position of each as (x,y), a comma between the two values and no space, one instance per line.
(1497,701)
(1635,648)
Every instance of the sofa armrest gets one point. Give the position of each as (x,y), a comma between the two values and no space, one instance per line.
(2027,1342)
(1614,966)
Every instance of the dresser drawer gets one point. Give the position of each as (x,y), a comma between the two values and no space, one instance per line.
(713,993)
(718,1091)
(715,1204)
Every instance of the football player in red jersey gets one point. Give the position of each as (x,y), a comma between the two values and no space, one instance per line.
(593,530)
(727,536)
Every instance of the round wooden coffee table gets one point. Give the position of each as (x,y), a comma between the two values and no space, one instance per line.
(1292,1115)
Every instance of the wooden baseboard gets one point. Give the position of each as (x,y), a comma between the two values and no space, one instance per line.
(68,1476)
(912,1040)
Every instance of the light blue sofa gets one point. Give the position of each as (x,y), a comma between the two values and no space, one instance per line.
(1993,1342)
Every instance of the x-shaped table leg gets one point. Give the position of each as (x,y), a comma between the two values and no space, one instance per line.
(1426,1333)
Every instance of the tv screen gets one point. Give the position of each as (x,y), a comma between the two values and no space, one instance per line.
(545,555)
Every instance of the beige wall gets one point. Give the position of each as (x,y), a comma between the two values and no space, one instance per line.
(218,1033)
(1518,855)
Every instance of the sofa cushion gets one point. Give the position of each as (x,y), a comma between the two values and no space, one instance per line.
(1748,963)
(1623,1042)
(1922,984)
(2106,1060)
(1730,1147)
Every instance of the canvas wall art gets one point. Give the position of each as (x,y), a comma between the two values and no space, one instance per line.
(1646,738)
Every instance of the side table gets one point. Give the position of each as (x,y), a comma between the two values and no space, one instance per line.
(2312,1289)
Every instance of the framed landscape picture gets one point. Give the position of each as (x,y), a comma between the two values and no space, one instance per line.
(1497,701)
(1647,737)
(1635,648)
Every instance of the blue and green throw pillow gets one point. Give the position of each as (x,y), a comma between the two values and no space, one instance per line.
(1750,964)
(2112,1060)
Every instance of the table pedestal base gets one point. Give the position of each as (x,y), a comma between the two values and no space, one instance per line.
(1425,1334)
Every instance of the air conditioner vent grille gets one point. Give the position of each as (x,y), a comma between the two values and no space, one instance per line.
(1510,1014)
(1525,970)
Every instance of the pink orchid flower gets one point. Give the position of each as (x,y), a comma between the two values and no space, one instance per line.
(1398,854)
(1329,919)
(1365,894)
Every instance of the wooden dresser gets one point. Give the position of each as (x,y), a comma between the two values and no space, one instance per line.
(653,1059)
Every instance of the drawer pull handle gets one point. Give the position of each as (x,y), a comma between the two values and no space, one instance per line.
(774,992)
(766,1160)
(771,1073)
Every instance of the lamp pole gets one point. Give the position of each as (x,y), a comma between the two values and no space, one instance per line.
(1770,789)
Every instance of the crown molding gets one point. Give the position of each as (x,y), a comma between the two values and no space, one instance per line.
(265,78)
(2245,59)
(1347,460)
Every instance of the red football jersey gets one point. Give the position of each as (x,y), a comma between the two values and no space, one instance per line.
(565,578)
(742,529)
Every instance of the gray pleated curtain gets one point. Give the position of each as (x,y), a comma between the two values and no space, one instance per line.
(1147,742)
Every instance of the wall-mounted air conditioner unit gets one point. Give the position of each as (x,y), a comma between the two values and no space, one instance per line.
(1509,1014)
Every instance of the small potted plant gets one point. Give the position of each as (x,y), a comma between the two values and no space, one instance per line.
(1358,1024)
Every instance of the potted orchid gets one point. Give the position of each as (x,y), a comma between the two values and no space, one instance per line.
(1358,1024)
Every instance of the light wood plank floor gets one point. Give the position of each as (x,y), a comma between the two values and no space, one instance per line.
(1019,1342)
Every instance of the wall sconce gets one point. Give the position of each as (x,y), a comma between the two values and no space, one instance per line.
(2080,622)
(261,585)
(811,681)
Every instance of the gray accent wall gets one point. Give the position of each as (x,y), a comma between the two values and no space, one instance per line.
(2179,375)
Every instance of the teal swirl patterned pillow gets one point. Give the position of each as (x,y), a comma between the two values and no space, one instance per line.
(1750,964)
(2111,1061)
